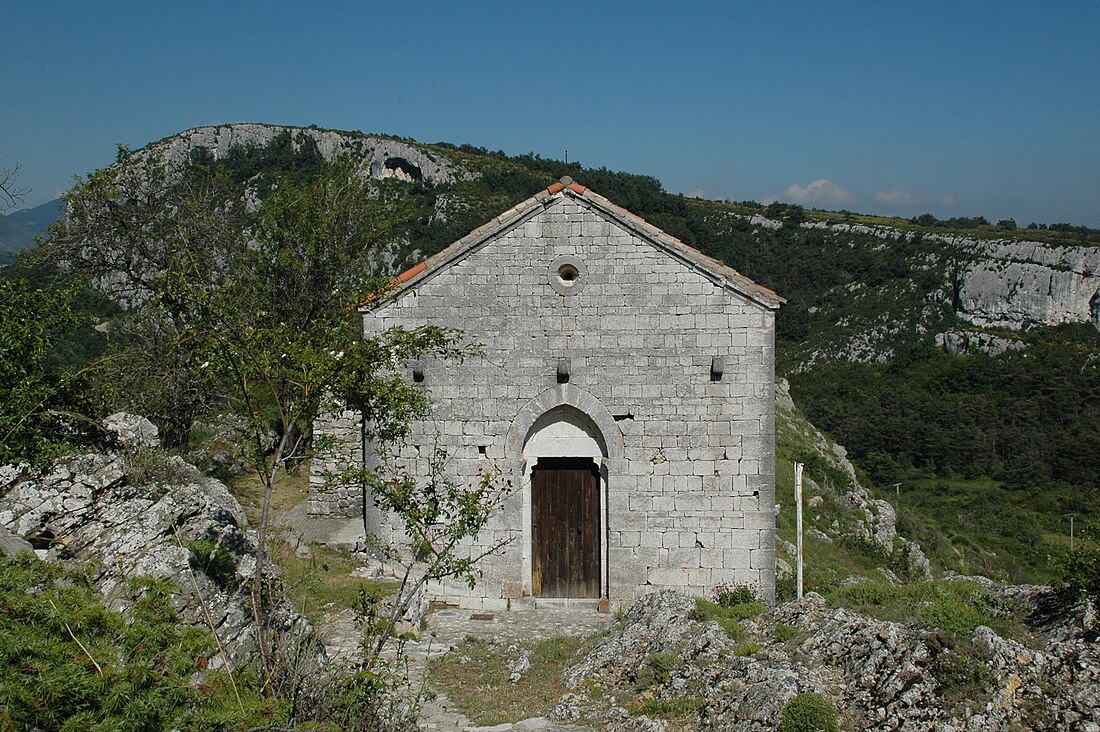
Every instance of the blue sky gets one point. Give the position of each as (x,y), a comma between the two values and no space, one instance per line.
(960,109)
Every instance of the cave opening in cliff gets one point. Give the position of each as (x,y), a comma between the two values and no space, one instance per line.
(401,169)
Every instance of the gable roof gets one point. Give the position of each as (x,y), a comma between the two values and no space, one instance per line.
(709,267)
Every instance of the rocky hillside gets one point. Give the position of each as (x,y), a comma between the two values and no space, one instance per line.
(857,291)
(378,156)
(957,357)
(939,666)
(136,512)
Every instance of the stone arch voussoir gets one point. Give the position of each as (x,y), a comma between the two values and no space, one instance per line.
(559,396)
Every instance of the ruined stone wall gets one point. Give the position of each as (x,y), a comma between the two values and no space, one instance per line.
(690,469)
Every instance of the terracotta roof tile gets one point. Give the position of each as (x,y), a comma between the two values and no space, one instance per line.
(412,272)
(555,188)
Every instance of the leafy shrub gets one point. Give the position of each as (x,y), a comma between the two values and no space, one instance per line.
(747,649)
(1080,569)
(67,662)
(732,595)
(32,391)
(950,613)
(808,713)
(656,669)
(215,561)
(784,632)
(959,665)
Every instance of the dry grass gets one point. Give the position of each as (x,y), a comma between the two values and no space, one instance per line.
(322,583)
(291,489)
(475,676)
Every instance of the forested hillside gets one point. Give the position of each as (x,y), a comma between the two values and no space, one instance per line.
(959,361)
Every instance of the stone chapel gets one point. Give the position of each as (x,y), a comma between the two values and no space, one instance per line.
(625,388)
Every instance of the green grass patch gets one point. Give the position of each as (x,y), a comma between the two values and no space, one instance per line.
(808,713)
(727,617)
(322,583)
(475,677)
(955,606)
(679,709)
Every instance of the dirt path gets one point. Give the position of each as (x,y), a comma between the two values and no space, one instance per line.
(447,628)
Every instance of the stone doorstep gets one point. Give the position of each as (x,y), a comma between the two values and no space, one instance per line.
(576,603)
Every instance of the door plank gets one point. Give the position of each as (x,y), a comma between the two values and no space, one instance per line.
(565,528)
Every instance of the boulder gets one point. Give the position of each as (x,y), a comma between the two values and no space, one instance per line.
(160,523)
(132,431)
(11,544)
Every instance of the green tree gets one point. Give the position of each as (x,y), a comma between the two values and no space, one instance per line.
(128,226)
(279,338)
(36,401)
(1080,568)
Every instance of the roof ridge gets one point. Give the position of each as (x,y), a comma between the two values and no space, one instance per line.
(545,198)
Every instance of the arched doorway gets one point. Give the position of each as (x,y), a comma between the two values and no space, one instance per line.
(565,501)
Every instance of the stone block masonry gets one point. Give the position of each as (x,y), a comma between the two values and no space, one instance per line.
(685,463)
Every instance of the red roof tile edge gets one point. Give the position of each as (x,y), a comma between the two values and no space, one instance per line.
(412,272)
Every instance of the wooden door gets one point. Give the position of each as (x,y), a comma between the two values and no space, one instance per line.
(565,528)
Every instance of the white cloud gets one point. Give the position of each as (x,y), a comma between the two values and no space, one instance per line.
(899,197)
(820,192)
(949,200)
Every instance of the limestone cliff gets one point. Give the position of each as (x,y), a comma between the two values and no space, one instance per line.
(1015,284)
(1009,283)
(380,157)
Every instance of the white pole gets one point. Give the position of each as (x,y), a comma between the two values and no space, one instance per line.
(798,521)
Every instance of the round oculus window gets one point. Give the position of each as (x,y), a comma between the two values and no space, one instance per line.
(567,274)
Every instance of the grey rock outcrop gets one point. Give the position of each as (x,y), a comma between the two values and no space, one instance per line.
(12,544)
(379,157)
(132,431)
(956,342)
(1011,284)
(142,519)
(653,623)
(1016,284)
(880,675)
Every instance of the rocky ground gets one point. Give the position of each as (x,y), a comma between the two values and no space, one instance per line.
(136,512)
(880,675)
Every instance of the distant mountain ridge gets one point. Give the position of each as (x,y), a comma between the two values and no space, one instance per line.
(19,228)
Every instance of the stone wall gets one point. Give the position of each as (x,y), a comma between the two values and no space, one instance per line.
(689,461)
